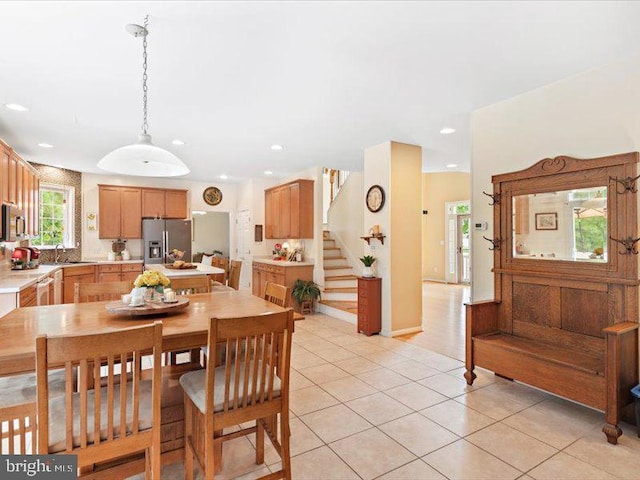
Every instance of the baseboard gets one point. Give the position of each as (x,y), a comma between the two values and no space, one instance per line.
(404,331)
(435,280)
(337,313)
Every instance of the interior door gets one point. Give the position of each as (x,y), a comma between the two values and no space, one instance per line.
(463,248)
(243,252)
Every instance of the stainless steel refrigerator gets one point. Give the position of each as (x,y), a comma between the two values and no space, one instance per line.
(160,237)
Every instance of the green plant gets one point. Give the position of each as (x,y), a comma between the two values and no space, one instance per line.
(368,260)
(305,290)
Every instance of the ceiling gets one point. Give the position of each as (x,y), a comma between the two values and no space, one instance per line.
(324,79)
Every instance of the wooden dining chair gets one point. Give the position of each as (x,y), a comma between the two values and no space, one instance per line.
(278,294)
(234,274)
(102,424)
(99,292)
(191,285)
(18,410)
(252,387)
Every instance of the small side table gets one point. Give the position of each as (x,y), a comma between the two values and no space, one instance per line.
(369,305)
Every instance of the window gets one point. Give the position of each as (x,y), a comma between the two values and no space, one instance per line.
(56,216)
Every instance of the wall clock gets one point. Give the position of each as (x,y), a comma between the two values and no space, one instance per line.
(212,196)
(375,198)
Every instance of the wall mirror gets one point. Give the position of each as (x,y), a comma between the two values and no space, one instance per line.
(563,225)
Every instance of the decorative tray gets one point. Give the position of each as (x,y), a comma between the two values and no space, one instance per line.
(149,308)
(186,266)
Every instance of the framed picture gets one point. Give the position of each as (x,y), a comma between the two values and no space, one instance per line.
(546,221)
(257,233)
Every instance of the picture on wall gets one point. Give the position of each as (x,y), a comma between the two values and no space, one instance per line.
(546,221)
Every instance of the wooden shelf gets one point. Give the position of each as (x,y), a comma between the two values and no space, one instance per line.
(379,236)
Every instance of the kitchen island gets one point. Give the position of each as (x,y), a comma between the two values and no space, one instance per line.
(184,272)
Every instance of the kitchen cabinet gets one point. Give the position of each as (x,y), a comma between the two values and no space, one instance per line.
(28,297)
(369,305)
(163,203)
(119,212)
(119,272)
(289,210)
(285,274)
(19,185)
(76,274)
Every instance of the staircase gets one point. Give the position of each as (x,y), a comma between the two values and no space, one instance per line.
(340,293)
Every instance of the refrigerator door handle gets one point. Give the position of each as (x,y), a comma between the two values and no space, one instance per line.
(167,250)
(164,246)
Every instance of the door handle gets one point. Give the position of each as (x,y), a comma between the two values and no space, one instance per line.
(459,249)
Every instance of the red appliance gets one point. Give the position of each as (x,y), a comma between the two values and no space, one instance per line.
(20,258)
(35,256)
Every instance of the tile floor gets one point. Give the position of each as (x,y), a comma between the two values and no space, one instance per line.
(365,408)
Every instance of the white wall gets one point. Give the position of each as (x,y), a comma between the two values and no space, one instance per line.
(590,115)
(94,248)
(346,216)
(211,232)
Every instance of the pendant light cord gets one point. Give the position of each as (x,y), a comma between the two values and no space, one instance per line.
(145,124)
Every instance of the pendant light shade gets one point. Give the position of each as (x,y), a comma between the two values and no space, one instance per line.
(143,158)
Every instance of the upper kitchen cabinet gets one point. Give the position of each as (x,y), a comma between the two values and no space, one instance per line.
(120,212)
(19,186)
(162,203)
(289,210)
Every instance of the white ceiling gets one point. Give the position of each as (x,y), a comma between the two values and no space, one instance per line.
(325,79)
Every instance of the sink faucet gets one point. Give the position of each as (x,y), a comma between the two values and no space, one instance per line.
(64,250)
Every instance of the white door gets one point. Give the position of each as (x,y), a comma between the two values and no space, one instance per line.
(463,249)
(243,252)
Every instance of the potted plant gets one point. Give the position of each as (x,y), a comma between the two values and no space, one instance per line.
(305,293)
(368,260)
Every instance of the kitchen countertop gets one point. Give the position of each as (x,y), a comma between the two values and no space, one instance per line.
(282,263)
(12,281)
(185,272)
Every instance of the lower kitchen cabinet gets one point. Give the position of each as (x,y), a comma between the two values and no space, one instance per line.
(111,272)
(73,275)
(285,274)
(28,297)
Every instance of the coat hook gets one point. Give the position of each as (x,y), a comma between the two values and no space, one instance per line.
(494,241)
(629,244)
(495,198)
(628,184)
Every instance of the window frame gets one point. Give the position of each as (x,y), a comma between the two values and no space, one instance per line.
(69,193)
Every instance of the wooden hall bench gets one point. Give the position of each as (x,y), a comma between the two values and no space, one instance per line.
(563,320)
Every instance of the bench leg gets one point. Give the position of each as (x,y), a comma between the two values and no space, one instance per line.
(612,432)
(469,375)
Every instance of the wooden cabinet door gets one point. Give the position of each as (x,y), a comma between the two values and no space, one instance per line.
(130,277)
(35,206)
(269,218)
(109,211)
(70,282)
(131,212)
(26,173)
(27,194)
(109,277)
(176,204)
(19,175)
(294,210)
(4,174)
(255,282)
(153,203)
(285,213)
(305,206)
(13,175)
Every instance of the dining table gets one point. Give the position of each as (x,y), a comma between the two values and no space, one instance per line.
(181,330)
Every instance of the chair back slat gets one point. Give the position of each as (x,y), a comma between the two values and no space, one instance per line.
(191,285)
(99,292)
(97,402)
(136,391)
(84,376)
(69,404)
(227,375)
(123,394)
(278,294)
(272,363)
(247,357)
(238,368)
(110,395)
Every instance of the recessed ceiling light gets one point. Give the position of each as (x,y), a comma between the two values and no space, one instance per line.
(177,142)
(16,107)
(223,177)
(45,145)
(277,147)
(268,172)
(447,130)
(452,165)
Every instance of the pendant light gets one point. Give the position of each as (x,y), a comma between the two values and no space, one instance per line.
(143,158)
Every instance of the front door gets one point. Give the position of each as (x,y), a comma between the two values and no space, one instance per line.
(243,234)
(463,248)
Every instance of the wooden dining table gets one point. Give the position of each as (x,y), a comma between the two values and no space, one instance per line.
(180,330)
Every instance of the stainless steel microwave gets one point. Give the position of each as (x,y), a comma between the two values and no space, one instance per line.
(13,224)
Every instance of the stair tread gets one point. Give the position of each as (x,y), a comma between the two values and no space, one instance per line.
(331,248)
(336,267)
(342,289)
(336,278)
(335,258)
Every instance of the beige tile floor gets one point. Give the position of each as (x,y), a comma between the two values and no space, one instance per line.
(365,408)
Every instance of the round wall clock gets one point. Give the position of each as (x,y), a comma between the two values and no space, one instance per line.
(375,198)
(212,195)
